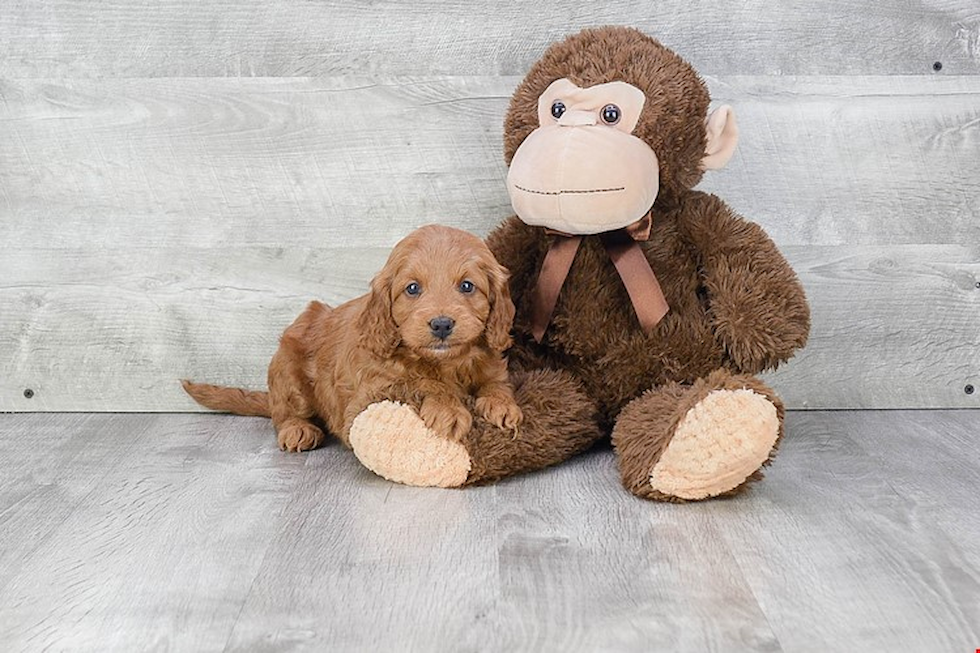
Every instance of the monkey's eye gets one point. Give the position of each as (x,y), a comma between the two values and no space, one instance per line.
(466,287)
(557,109)
(610,114)
(413,289)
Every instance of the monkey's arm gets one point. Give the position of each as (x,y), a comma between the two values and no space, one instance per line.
(757,304)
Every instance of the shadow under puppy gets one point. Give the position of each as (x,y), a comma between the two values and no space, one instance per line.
(431,332)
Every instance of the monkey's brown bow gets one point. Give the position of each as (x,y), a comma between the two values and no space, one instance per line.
(630,262)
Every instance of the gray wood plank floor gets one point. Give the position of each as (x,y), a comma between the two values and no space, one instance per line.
(193,532)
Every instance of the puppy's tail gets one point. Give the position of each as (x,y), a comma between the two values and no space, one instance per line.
(230,400)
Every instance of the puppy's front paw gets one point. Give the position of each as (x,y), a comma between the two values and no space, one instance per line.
(446,416)
(503,413)
(297,435)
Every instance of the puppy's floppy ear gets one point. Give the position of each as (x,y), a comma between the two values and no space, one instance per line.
(376,326)
(501,317)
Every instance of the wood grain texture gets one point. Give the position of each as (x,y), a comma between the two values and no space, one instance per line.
(116,329)
(577,576)
(170,520)
(934,482)
(86,38)
(870,160)
(34,499)
(157,228)
(362,564)
(351,162)
(193,532)
(837,552)
(331,163)
(893,327)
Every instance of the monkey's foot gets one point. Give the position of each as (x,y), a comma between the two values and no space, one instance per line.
(391,440)
(686,443)
(718,444)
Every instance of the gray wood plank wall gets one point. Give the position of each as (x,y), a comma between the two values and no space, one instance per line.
(178,178)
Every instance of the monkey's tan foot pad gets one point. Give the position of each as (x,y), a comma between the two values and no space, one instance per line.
(391,440)
(717,445)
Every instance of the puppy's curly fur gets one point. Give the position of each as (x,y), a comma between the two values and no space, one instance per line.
(392,343)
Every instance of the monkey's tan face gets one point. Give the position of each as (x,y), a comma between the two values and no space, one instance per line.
(582,171)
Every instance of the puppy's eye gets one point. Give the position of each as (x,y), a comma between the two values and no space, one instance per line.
(413,289)
(557,109)
(466,287)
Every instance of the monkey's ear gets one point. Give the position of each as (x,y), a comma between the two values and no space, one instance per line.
(502,310)
(376,327)
(722,138)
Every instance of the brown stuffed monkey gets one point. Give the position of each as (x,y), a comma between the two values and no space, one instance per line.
(644,308)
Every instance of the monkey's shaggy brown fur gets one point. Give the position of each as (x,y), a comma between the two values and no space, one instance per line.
(723,312)
(736,307)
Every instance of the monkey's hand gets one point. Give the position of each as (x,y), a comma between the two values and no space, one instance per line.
(756,302)
(758,307)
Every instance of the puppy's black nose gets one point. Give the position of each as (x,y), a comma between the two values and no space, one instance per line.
(441,326)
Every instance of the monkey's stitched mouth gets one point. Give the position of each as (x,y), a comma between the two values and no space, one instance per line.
(570,192)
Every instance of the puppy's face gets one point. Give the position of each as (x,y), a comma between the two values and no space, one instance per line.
(443,293)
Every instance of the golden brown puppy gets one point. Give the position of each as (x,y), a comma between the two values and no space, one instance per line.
(431,331)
